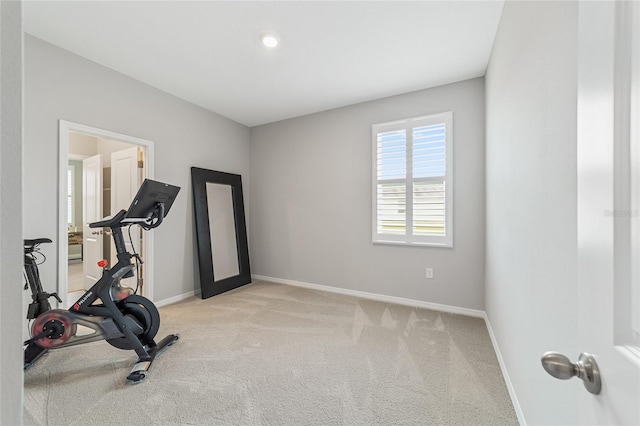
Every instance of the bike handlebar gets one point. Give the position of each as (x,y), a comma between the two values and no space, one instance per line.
(110,222)
(155,218)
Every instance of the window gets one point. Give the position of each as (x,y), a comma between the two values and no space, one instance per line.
(412,181)
(71,176)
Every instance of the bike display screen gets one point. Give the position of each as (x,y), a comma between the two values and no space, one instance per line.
(151,193)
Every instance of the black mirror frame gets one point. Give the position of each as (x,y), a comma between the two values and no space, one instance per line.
(208,285)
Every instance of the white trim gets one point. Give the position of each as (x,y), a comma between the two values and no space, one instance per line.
(77,157)
(379,297)
(174,299)
(634,142)
(505,374)
(632,353)
(63,158)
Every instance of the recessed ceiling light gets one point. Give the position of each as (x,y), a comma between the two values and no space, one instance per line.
(269,39)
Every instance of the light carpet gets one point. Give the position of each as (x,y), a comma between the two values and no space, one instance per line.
(271,354)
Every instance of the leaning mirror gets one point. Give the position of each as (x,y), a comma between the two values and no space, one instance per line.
(221,233)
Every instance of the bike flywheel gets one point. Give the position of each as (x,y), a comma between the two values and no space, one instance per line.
(56,325)
(145,313)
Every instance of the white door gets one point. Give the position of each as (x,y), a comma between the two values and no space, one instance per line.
(608,215)
(91,212)
(125,181)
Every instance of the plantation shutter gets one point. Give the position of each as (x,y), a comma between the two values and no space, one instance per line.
(391,187)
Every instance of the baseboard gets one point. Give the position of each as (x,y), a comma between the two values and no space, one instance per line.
(174,299)
(378,297)
(505,374)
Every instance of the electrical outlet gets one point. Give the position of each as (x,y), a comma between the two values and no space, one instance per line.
(429,273)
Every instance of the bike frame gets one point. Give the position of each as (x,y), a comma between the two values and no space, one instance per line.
(100,316)
(40,298)
(106,319)
(40,303)
(125,320)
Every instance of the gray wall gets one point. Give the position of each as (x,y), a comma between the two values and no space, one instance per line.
(311,201)
(531,89)
(61,85)
(11,147)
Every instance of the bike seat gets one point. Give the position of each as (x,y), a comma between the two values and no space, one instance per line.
(109,222)
(35,242)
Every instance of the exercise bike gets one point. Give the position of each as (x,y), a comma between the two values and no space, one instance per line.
(108,310)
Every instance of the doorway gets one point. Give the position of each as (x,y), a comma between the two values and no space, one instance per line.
(100,172)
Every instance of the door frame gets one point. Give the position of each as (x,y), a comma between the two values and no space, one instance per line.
(65,127)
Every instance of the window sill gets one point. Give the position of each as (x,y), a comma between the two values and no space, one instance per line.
(412,244)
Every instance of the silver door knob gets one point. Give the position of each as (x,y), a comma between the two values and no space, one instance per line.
(586,368)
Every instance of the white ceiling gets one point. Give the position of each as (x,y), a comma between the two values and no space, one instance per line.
(331,54)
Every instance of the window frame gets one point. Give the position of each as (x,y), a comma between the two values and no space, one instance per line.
(409,239)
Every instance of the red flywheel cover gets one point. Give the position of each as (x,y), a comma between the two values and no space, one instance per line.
(54,318)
